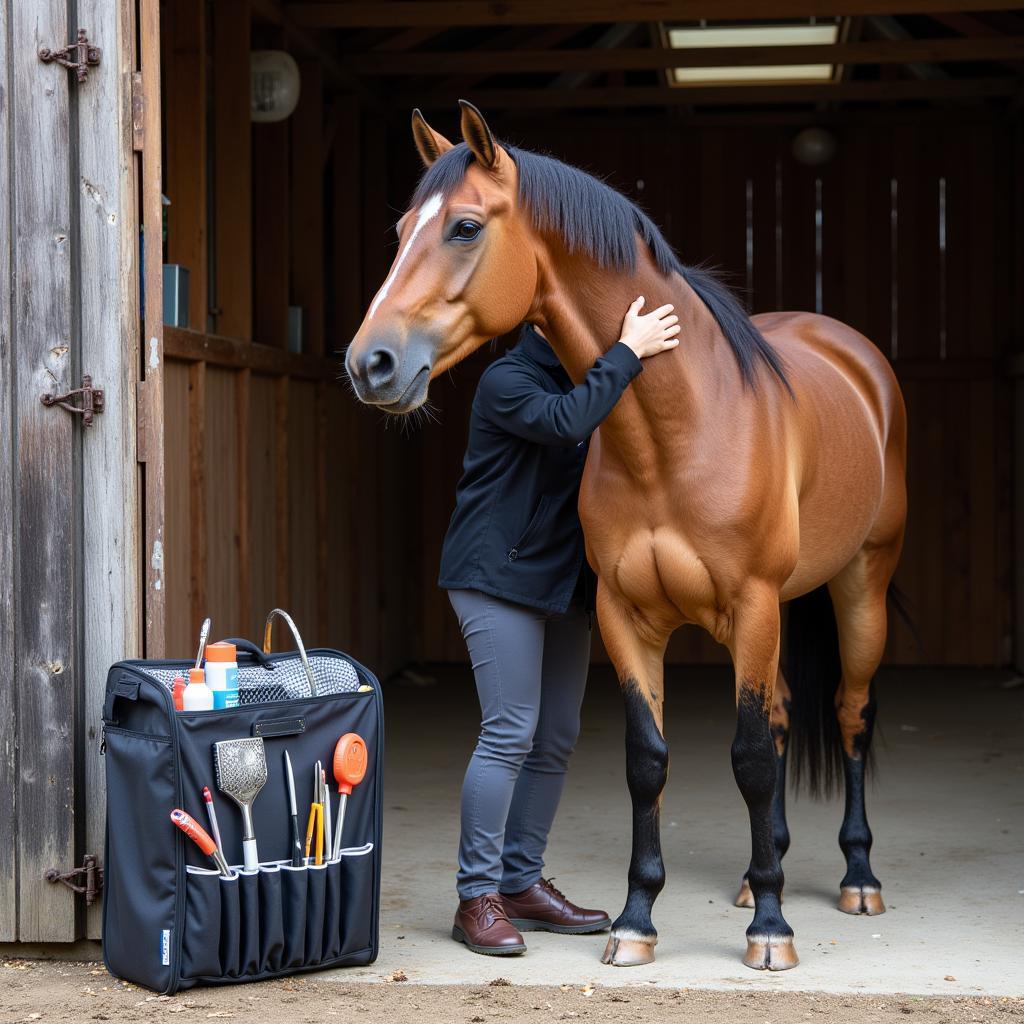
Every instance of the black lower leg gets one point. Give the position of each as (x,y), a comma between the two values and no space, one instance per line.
(755,765)
(855,835)
(780,829)
(646,774)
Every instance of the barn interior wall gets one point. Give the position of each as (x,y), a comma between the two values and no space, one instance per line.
(282,490)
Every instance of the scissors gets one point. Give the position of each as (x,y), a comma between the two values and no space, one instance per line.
(315,825)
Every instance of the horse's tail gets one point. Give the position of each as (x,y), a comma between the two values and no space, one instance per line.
(812,669)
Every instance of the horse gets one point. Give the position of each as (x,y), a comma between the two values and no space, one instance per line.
(759,463)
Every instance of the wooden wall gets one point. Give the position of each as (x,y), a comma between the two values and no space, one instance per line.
(734,197)
(277,482)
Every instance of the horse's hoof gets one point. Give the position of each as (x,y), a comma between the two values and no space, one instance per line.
(856,899)
(771,953)
(744,898)
(628,952)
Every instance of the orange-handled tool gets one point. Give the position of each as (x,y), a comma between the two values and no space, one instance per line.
(350,758)
(201,838)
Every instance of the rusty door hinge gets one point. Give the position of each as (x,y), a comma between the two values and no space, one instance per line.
(88,56)
(92,400)
(93,878)
(138,111)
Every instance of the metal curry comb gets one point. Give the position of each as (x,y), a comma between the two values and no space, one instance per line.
(241,769)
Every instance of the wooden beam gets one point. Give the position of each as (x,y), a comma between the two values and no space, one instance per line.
(307,199)
(721,95)
(932,51)
(193,346)
(184,85)
(407,13)
(232,161)
(271,232)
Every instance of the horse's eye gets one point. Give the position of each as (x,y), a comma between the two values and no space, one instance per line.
(466,230)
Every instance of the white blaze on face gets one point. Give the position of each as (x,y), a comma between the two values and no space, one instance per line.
(428,211)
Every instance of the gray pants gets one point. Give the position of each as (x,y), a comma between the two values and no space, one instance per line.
(531,671)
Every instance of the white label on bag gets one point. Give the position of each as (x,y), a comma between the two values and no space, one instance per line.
(165,947)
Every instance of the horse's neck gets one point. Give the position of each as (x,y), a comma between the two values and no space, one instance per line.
(581,314)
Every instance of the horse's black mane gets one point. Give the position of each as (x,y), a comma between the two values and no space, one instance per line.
(593,219)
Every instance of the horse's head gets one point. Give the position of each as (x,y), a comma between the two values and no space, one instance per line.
(465,271)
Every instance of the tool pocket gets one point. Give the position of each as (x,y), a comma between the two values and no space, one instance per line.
(357,891)
(249,921)
(201,941)
(293,914)
(230,932)
(316,893)
(271,918)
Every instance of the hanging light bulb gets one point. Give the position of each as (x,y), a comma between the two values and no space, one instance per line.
(275,84)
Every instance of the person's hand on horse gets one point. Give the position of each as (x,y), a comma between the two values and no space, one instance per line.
(647,334)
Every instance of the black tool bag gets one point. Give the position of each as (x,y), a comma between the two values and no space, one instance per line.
(170,919)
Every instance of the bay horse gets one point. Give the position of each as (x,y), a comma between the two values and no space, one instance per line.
(760,462)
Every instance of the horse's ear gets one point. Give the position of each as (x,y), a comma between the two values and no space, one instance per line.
(430,144)
(477,135)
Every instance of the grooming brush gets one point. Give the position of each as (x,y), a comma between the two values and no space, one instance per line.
(241,767)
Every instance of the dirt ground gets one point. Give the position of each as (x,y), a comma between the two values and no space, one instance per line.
(58,993)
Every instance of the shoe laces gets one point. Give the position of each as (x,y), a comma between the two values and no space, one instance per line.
(492,901)
(547,883)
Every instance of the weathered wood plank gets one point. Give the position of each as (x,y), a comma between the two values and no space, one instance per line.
(46,672)
(323,525)
(307,199)
(110,352)
(282,561)
(153,354)
(232,170)
(8,574)
(178,546)
(347,239)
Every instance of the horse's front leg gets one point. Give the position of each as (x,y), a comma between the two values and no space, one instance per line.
(639,662)
(755,654)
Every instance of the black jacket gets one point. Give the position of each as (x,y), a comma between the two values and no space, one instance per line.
(515,532)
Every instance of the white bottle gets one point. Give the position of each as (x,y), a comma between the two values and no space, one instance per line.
(197,696)
(222,674)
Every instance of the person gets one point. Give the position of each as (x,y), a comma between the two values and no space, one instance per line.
(514,567)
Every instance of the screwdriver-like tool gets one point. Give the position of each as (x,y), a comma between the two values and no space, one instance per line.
(350,757)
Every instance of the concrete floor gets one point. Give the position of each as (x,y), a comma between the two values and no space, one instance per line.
(947,814)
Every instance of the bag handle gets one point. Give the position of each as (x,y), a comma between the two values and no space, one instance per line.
(268,635)
(252,649)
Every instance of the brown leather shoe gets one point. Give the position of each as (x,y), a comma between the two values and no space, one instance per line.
(542,908)
(483,925)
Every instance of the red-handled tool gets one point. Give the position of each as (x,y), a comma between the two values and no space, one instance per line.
(349,768)
(201,838)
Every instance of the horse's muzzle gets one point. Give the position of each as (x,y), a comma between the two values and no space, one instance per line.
(391,374)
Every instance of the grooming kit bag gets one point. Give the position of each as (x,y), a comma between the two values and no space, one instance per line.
(171,918)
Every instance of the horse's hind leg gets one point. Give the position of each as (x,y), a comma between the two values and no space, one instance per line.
(639,663)
(755,654)
(780,736)
(858,597)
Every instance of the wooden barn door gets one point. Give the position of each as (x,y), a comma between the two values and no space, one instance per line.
(70,526)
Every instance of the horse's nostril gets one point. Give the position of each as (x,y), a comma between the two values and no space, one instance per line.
(380,367)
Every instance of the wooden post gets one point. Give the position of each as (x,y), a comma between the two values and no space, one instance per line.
(44,672)
(8,575)
(307,192)
(271,234)
(348,220)
(232,160)
(109,289)
(185,84)
(151,391)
